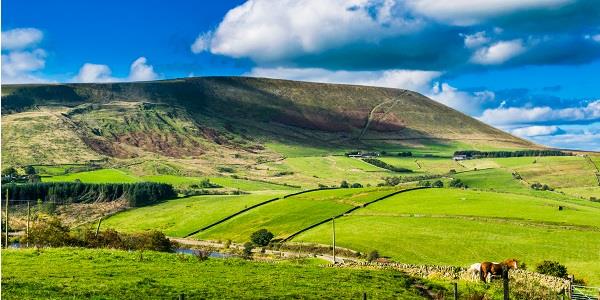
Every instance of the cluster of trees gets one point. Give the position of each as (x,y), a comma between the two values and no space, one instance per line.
(520,153)
(345,185)
(457,183)
(205,184)
(51,232)
(405,154)
(384,165)
(395,180)
(260,238)
(137,194)
(552,268)
(541,187)
(426,183)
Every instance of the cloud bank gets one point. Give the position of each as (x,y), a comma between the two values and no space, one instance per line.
(139,70)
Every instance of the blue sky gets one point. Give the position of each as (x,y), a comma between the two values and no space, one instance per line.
(527,66)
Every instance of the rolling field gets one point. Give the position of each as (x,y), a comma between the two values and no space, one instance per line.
(287,216)
(182,216)
(119,176)
(456,241)
(114,274)
(430,226)
(553,170)
(96,176)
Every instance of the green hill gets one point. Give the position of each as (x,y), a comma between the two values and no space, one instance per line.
(229,119)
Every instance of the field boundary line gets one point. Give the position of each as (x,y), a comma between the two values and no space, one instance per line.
(293,235)
(252,207)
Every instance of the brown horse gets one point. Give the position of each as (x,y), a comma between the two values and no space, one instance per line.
(494,268)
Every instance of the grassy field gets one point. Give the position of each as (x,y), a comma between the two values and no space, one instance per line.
(431,226)
(553,170)
(116,176)
(182,216)
(96,176)
(113,274)
(583,192)
(287,216)
(462,241)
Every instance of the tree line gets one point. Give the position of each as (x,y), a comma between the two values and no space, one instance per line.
(520,153)
(137,194)
(384,165)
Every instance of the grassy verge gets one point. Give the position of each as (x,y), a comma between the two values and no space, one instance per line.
(113,274)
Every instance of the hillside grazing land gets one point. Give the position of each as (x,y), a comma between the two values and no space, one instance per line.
(115,274)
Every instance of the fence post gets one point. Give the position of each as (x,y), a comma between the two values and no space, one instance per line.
(505,281)
(6,226)
(98,228)
(28,217)
(455,285)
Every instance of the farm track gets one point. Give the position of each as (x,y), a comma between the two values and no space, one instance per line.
(370,117)
(250,208)
(290,237)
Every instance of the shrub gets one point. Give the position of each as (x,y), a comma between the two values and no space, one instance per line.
(552,268)
(29,170)
(356,185)
(247,252)
(344,184)
(405,154)
(373,255)
(541,187)
(50,232)
(457,183)
(226,169)
(438,184)
(425,183)
(261,237)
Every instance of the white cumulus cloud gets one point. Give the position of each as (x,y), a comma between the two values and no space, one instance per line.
(202,42)
(21,59)
(139,70)
(498,53)
(533,115)
(466,102)
(20,38)
(531,131)
(403,79)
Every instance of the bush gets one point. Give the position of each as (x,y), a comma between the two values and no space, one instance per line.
(405,154)
(29,170)
(344,184)
(247,252)
(10,171)
(552,268)
(261,237)
(541,187)
(457,183)
(50,232)
(373,255)
(438,184)
(425,183)
(356,185)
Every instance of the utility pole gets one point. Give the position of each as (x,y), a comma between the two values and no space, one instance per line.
(6,225)
(333,224)
(28,216)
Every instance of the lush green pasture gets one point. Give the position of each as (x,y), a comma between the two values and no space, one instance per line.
(558,172)
(287,216)
(248,185)
(182,216)
(481,204)
(402,162)
(583,192)
(333,169)
(97,176)
(120,176)
(461,241)
(68,273)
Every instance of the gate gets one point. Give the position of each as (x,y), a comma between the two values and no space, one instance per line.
(582,292)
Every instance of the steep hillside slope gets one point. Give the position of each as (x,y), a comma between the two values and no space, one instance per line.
(204,117)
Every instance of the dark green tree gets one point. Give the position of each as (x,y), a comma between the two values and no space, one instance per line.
(261,237)
(552,268)
(344,184)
